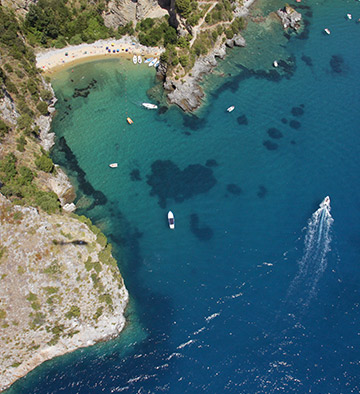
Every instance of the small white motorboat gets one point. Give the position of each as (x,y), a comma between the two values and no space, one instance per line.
(113,165)
(148,60)
(139,59)
(275,64)
(157,64)
(135,59)
(149,105)
(326,202)
(153,62)
(327,31)
(230,109)
(349,16)
(171,220)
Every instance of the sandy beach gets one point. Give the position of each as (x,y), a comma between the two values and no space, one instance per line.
(51,60)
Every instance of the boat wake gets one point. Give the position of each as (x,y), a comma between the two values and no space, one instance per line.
(314,262)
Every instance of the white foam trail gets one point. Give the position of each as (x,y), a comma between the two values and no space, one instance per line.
(316,246)
(199,331)
(186,344)
(212,316)
(174,355)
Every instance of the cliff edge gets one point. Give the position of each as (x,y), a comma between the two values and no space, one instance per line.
(60,288)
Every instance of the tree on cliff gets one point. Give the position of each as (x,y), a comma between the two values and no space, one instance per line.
(183,7)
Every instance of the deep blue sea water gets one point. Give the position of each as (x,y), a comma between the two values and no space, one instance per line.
(257,289)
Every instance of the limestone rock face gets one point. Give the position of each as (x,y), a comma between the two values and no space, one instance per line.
(120,12)
(60,288)
(7,110)
(61,185)
(20,6)
(188,95)
(289,18)
(44,122)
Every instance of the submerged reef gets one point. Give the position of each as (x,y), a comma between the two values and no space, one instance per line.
(168,181)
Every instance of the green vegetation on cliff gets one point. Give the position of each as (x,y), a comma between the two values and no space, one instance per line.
(56,23)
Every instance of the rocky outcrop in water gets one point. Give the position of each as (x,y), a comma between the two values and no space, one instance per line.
(187,94)
(289,18)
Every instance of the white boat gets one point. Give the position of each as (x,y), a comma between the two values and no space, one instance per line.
(326,202)
(135,59)
(230,109)
(157,64)
(113,165)
(349,16)
(139,59)
(153,62)
(148,60)
(275,64)
(149,105)
(327,31)
(171,220)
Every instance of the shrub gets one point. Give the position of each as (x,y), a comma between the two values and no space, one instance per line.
(10,86)
(4,128)
(46,94)
(73,312)
(8,68)
(24,121)
(44,163)
(42,108)
(21,142)
(47,201)
(183,7)
(184,60)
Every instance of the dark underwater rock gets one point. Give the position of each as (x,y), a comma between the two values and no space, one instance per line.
(295,124)
(269,145)
(211,163)
(274,133)
(297,111)
(242,120)
(135,175)
(262,191)
(203,233)
(233,189)
(167,181)
(336,63)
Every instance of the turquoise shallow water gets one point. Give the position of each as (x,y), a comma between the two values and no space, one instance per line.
(256,291)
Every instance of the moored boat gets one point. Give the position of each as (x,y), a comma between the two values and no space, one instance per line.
(113,165)
(139,59)
(148,60)
(135,59)
(171,220)
(230,109)
(153,62)
(149,105)
(129,120)
(157,64)
(327,31)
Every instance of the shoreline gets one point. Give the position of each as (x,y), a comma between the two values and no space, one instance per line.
(52,60)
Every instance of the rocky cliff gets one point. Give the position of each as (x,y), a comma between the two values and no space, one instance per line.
(20,6)
(60,288)
(120,12)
